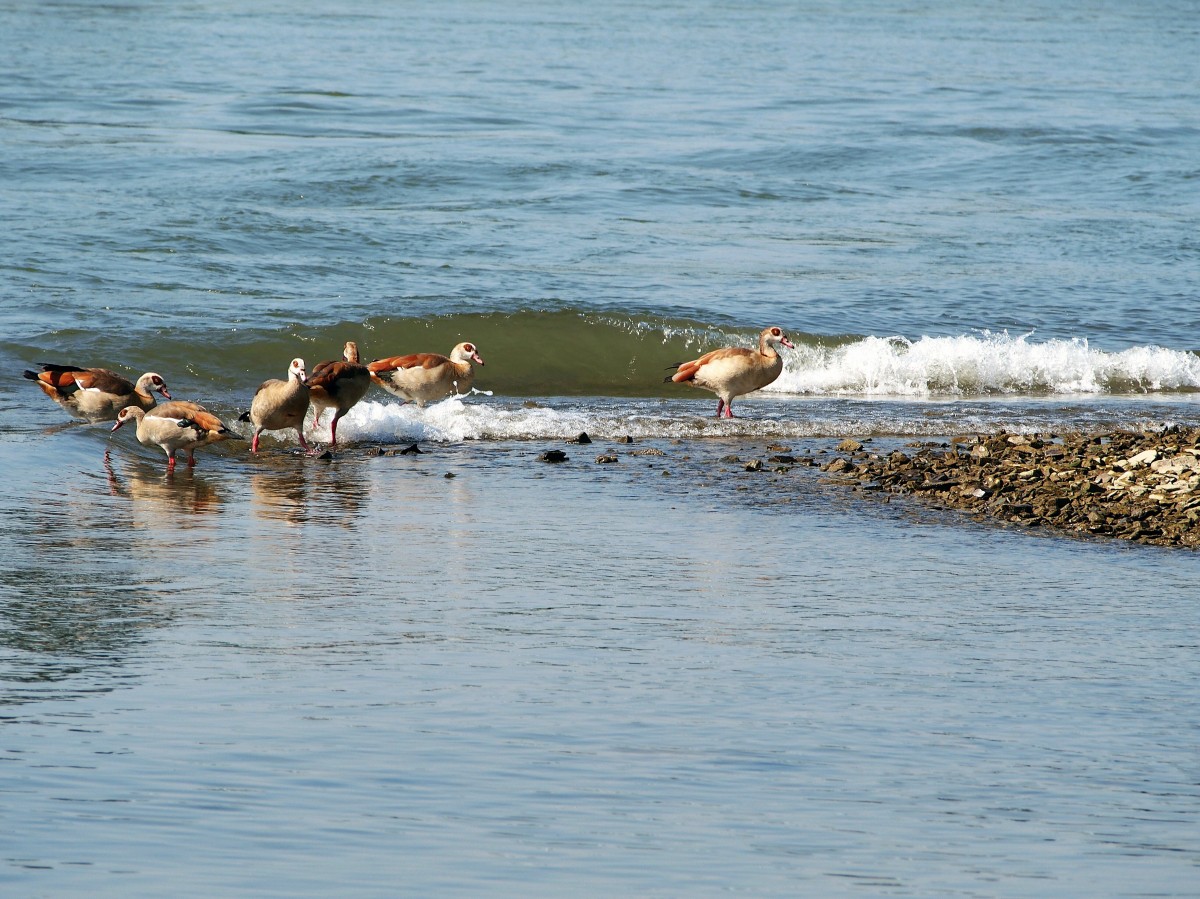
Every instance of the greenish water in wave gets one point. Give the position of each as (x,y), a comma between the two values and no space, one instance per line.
(576,352)
(467,672)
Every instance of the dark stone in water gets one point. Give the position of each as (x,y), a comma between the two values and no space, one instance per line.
(606,459)
(553,456)
(754,465)
(582,438)
(412,450)
(625,439)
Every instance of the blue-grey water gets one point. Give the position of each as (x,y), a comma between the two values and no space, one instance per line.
(467,672)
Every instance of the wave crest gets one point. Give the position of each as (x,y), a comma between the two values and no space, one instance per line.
(988,364)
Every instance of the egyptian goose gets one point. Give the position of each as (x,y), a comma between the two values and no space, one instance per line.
(734,371)
(427,377)
(175,426)
(280,404)
(338,386)
(96,394)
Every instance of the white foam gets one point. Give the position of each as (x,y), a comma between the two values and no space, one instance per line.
(457,419)
(982,365)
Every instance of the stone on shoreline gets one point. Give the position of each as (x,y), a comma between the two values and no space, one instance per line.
(1141,486)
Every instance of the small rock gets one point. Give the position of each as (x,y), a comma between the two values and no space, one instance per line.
(783,460)
(605,459)
(412,450)
(648,452)
(1142,458)
(625,439)
(582,438)
(449,474)
(754,465)
(849,445)
(553,456)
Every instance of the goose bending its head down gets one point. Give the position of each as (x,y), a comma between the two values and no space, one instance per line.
(175,426)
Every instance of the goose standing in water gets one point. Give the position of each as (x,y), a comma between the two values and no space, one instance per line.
(280,404)
(338,386)
(175,426)
(734,371)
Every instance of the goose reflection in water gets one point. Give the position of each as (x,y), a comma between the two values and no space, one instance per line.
(170,492)
(317,493)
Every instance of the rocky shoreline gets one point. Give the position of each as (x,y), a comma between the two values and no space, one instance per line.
(1138,486)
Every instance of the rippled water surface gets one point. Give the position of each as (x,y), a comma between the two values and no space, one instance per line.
(465,671)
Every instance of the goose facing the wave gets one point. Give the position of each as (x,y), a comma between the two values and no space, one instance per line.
(338,386)
(734,371)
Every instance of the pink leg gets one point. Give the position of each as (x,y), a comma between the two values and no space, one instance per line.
(191,458)
(317,417)
(171,462)
(333,431)
(729,410)
(254,442)
(720,407)
(303,442)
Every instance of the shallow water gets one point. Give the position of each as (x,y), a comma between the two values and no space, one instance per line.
(466,671)
(302,676)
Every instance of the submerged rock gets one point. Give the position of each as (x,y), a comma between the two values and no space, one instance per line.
(553,456)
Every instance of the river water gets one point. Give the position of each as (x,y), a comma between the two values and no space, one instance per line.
(466,671)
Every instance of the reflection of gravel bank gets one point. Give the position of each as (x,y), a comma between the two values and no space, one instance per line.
(1136,486)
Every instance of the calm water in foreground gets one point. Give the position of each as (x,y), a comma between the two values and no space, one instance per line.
(467,672)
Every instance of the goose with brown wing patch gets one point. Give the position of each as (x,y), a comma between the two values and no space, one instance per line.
(734,371)
(427,377)
(96,394)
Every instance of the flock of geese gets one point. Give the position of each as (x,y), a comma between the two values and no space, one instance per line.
(97,394)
